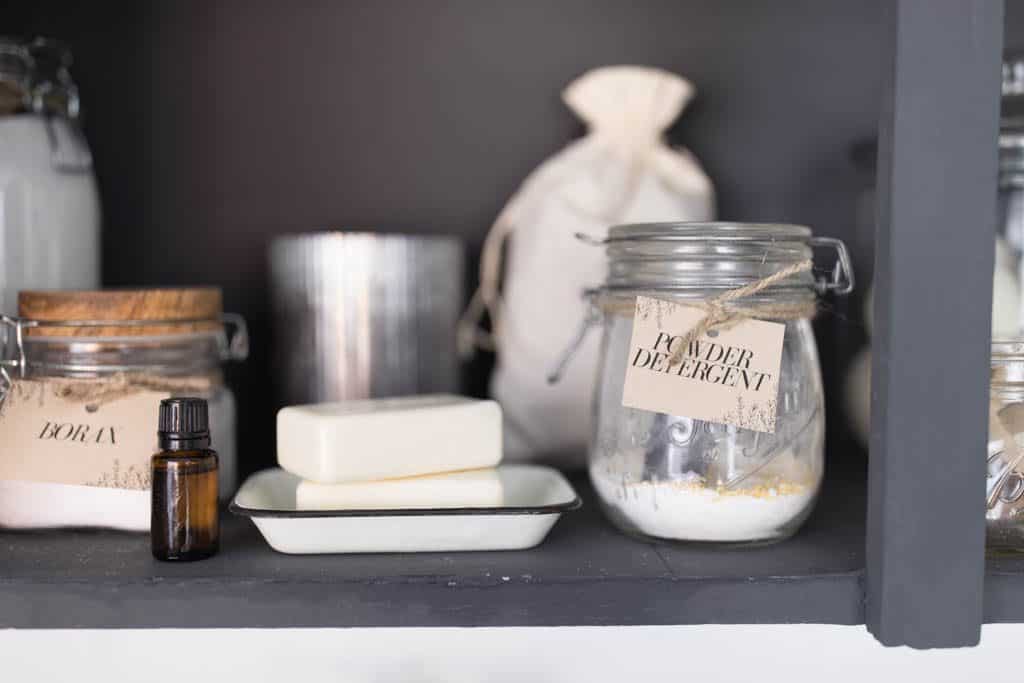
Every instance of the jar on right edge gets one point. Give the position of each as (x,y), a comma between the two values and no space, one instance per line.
(679,478)
(1004,485)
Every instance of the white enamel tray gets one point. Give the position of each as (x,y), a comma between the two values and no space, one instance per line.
(535,497)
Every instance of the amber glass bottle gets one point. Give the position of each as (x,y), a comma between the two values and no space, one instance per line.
(184,523)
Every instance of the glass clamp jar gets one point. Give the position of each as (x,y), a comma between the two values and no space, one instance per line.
(92,371)
(47,185)
(1004,486)
(678,478)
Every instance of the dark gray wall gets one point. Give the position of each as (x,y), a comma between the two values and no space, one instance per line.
(216,126)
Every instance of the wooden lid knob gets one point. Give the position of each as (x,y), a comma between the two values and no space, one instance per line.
(199,309)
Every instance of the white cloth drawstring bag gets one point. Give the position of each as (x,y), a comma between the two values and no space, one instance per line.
(621,171)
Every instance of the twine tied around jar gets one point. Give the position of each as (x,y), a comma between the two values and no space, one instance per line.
(721,313)
(96,392)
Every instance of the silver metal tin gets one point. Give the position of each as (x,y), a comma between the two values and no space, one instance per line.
(363,315)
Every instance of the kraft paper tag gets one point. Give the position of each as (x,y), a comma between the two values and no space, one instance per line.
(47,438)
(729,376)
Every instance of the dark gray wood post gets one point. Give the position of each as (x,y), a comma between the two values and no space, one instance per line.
(933,293)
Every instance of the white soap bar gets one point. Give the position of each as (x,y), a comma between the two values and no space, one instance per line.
(374,439)
(468,489)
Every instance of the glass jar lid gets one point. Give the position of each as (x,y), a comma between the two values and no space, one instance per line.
(165,331)
(120,312)
(687,257)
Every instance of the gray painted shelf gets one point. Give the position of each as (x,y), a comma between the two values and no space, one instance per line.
(586,573)
(1004,590)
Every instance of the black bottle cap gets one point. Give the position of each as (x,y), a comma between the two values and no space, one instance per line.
(184,424)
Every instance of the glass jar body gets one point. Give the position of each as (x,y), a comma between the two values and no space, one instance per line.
(678,478)
(1004,511)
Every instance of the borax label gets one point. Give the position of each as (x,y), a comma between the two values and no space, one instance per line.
(729,376)
(81,432)
(46,437)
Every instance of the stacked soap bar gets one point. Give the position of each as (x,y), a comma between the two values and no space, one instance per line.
(415,452)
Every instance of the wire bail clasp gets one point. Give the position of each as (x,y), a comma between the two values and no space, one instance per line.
(12,326)
(592,317)
(841,280)
(236,338)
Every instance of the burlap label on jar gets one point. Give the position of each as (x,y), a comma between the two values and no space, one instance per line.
(49,433)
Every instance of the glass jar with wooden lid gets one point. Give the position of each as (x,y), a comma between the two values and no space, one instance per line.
(80,387)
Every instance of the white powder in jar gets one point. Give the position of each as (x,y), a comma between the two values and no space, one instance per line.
(690,511)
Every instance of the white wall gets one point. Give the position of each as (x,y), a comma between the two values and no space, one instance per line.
(793,654)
